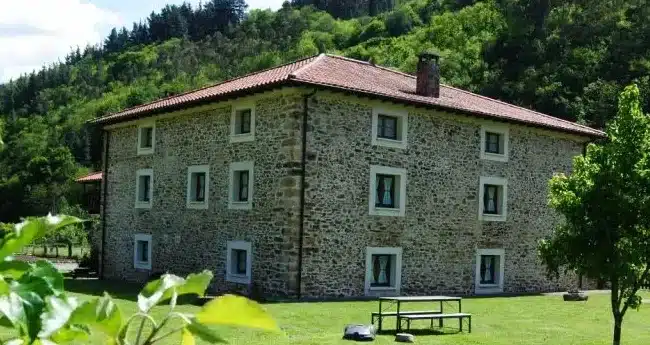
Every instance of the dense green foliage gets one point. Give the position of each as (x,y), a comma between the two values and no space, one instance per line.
(606,204)
(35,305)
(566,58)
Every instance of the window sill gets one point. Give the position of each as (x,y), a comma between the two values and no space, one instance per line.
(387,212)
(239,279)
(382,288)
(485,289)
(197,205)
(397,144)
(493,217)
(142,266)
(238,205)
(494,157)
(143,205)
(145,151)
(241,138)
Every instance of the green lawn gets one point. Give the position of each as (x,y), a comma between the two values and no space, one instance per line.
(515,320)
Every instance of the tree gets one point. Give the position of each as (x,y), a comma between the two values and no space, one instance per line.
(606,205)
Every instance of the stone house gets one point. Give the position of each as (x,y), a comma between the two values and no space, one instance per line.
(331,177)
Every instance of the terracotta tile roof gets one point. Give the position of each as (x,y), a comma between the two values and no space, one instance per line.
(92,177)
(361,77)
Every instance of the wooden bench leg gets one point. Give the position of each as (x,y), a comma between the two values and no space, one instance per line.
(460,323)
(470,324)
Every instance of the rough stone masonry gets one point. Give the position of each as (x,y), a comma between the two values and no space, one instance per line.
(439,235)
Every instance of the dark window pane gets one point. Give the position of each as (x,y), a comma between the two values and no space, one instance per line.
(492,142)
(242,193)
(143,249)
(488,269)
(241,261)
(147,137)
(387,127)
(382,267)
(199,185)
(491,199)
(244,118)
(385,191)
(145,187)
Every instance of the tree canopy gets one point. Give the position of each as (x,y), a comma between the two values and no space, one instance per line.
(569,59)
(606,205)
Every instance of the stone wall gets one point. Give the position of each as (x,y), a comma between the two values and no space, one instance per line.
(190,240)
(440,233)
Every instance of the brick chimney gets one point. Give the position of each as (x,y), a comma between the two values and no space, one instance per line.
(428,75)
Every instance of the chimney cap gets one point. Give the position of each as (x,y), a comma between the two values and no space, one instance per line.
(429,55)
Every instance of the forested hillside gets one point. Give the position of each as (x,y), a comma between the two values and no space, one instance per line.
(567,58)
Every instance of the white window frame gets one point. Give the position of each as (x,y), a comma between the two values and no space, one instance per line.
(238,278)
(503,183)
(198,205)
(147,150)
(489,288)
(400,193)
(402,127)
(239,138)
(383,290)
(139,264)
(498,129)
(241,166)
(139,173)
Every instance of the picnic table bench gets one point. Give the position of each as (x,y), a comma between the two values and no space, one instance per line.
(409,315)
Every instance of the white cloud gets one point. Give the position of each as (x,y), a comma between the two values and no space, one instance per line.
(38,32)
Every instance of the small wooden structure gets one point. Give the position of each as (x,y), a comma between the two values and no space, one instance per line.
(91,191)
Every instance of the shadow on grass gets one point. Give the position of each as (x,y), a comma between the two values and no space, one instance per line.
(422,332)
(120,290)
(95,287)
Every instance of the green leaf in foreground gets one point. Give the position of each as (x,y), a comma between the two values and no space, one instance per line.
(204,333)
(236,311)
(163,289)
(57,315)
(13,268)
(101,314)
(187,338)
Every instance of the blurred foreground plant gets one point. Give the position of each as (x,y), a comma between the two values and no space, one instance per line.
(33,301)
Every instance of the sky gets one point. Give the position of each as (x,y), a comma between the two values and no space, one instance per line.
(34,33)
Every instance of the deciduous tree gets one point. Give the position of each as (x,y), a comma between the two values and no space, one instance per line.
(605,202)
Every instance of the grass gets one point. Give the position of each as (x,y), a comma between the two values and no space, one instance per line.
(507,321)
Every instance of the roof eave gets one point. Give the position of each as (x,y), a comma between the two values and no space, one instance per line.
(441,107)
(107,121)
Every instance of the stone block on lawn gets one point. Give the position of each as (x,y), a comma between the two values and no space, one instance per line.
(404,338)
(574,296)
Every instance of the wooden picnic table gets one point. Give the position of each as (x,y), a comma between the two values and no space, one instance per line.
(399,300)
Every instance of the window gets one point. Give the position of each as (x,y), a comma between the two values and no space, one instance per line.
(142,252)
(489,270)
(241,186)
(493,199)
(387,191)
(242,123)
(144,188)
(389,128)
(146,138)
(383,270)
(238,262)
(198,186)
(494,142)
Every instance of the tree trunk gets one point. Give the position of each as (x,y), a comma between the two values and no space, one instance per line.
(618,323)
(69,249)
(56,249)
(45,250)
